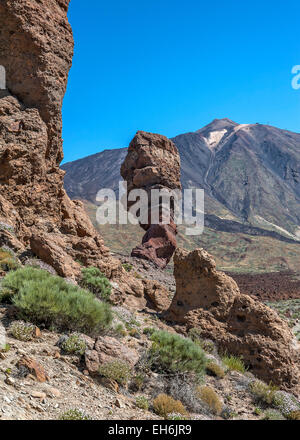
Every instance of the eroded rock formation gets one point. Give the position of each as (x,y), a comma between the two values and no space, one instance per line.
(211,301)
(36,48)
(153,162)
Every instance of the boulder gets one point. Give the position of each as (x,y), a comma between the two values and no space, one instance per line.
(153,162)
(211,301)
(108,349)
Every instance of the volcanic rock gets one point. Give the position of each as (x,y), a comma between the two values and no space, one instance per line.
(211,301)
(153,162)
(36,48)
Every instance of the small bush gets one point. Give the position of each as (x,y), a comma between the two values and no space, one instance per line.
(43,298)
(8,261)
(272,414)
(142,403)
(264,393)
(5,349)
(206,345)
(294,415)
(22,331)
(120,331)
(138,381)
(148,331)
(164,405)
(215,370)
(211,398)
(183,389)
(176,416)
(234,363)
(95,281)
(128,267)
(117,370)
(74,345)
(74,414)
(173,353)
(134,333)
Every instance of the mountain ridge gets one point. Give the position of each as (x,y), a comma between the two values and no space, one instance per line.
(250,173)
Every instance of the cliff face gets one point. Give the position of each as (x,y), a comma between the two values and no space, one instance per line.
(36,48)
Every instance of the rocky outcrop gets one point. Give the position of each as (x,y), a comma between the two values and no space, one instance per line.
(107,349)
(36,48)
(211,301)
(153,162)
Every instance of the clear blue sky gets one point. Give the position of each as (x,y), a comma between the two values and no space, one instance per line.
(172,66)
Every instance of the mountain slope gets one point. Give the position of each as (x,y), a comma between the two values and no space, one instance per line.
(250,173)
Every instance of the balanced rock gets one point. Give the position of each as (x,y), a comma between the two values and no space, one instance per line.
(36,49)
(211,301)
(153,162)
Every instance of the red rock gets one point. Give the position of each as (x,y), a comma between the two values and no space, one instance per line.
(153,162)
(211,301)
(34,368)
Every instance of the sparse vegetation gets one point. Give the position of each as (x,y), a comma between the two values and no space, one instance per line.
(234,363)
(95,281)
(273,414)
(128,267)
(294,415)
(117,370)
(74,345)
(43,298)
(173,353)
(164,405)
(8,261)
(215,370)
(148,331)
(22,331)
(74,414)
(142,403)
(210,398)
(264,393)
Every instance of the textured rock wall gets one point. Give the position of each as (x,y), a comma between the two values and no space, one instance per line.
(153,162)
(211,301)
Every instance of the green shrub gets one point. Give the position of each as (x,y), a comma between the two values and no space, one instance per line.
(211,398)
(44,298)
(264,393)
(22,331)
(164,405)
(138,381)
(74,414)
(119,330)
(128,267)
(176,416)
(74,345)
(95,281)
(148,331)
(8,261)
(215,370)
(117,370)
(234,363)
(5,349)
(142,403)
(272,414)
(195,335)
(173,353)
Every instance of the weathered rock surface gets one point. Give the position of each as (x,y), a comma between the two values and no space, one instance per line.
(108,349)
(36,48)
(211,301)
(153,162)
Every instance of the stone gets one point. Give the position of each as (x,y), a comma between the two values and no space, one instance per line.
(34,368)
(108,349)
(153,162)
(38,395)
(210,301)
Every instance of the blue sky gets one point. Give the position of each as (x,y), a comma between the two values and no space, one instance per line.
(172,66)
